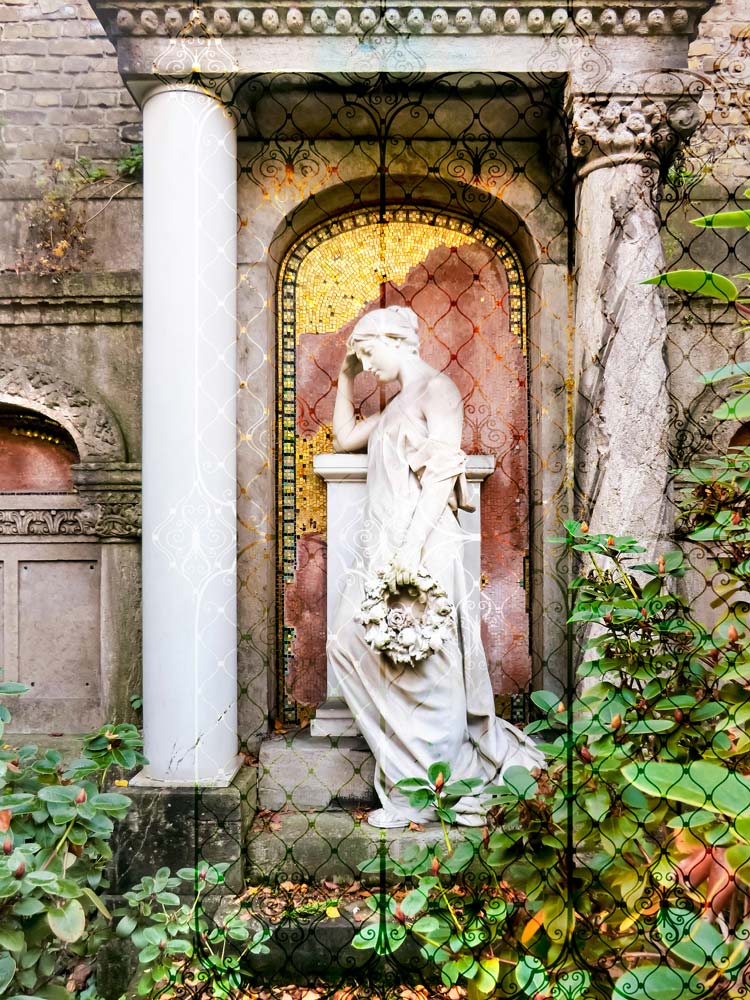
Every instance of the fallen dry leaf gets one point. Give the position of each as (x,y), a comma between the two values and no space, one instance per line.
(416,828)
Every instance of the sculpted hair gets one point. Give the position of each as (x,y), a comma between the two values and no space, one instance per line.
(394,322)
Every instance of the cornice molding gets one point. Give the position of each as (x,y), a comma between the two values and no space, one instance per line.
(140,19)
(106,505)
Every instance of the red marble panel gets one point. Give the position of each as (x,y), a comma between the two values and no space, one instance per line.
(461,295)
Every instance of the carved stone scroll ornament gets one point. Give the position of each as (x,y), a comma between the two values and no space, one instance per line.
(614,129)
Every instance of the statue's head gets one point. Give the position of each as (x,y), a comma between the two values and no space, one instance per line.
(383,338)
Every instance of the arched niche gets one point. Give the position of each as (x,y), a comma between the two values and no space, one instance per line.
(86,419)
(469,290)
(70,602)
(36,453)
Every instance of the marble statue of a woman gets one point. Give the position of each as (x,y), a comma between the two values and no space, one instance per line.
(440,708)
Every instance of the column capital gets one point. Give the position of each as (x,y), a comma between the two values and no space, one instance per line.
(609,129)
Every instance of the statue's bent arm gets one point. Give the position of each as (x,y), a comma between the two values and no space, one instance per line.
(349,434)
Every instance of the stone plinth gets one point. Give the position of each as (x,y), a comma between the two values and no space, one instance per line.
(182,827)
(302,772)
(346,501)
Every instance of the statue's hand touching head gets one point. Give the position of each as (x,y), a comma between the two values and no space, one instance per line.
(383,339)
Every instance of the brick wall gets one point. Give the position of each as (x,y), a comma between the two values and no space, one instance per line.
(60,93)
(721,53)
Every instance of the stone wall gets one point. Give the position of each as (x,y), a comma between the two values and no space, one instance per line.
(60,93)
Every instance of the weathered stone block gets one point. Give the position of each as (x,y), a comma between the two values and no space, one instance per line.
(326,845)
(303,772)
(181,827)
(45,29)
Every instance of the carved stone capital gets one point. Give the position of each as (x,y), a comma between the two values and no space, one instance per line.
(111,498)
(611,129)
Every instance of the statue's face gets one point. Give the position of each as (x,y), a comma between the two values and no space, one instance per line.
(382,357)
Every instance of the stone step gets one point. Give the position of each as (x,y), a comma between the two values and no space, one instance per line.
(304,772)
(331,844)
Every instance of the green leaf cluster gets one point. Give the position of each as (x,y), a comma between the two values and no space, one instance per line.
(177,944)
(601,870)
(56,821)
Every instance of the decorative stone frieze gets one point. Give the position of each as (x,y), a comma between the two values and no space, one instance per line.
(89,422)
(133,18)
(106,504)
(610,129)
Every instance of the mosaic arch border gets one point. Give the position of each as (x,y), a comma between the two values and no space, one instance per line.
(286,383)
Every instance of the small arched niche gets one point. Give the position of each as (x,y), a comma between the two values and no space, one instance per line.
(36,453)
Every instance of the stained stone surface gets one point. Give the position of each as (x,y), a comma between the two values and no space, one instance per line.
(300,772)
(181,827)
(312,846)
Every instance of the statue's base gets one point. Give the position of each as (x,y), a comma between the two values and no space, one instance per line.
(300,771)
(333,720)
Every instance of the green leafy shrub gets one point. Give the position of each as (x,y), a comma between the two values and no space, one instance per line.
(55,824)
(131,166)
(611,866)
(177,944)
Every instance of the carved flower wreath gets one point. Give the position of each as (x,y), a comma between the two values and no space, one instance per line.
(391,626)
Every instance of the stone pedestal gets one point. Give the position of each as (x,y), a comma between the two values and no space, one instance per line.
(346,480)
(183,827)
(302,772)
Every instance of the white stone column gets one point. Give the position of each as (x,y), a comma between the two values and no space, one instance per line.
(189,438)
(345,477)
(622,405)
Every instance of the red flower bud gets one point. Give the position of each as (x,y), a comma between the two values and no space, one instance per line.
(439,782)
(81,797)
(7,846)
(585,754)
(616,721)
(399,914)
(435,866)
(485,837)
(713,654)
(662,566)
(736,517)
(732,634)
(21,870)
(608,618)
(678,715)
(584,528)
(610,541)
(644,613)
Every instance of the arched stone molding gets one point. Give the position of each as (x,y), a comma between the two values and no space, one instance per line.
(106,502)
(88,420)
